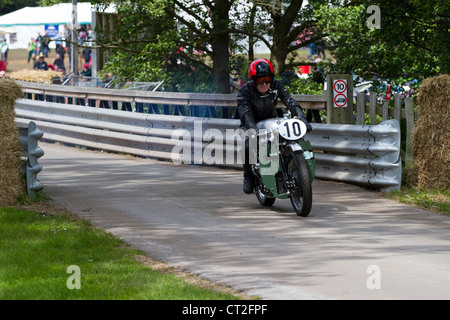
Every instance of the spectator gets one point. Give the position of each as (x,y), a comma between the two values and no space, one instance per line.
(62,80)
(59,39)
(31,50)
(86,72)
(40,64)
(89,33)
(320,49)
(86,55)
(4,50)
(59,62)
(82,36)
(312,50)
(60,49)
(45,40)
(38,48)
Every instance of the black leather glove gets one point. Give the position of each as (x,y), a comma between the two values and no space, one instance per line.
(250,123)
(299,113)
(308,125)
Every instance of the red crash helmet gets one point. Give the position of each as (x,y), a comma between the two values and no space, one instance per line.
(260,68)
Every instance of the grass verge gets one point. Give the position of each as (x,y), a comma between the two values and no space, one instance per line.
(47,256)
(435,200)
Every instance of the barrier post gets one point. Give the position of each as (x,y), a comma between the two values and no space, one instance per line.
(34,153)
(340,99)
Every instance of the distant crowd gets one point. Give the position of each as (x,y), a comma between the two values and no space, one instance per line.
(38,50)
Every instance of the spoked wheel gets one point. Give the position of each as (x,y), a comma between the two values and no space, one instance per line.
(299,183)
(263,196)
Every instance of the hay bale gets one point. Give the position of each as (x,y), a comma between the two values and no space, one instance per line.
(12,182)
(44,76)
(431,138)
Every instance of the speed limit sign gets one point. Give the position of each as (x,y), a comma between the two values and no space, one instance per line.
(340,93)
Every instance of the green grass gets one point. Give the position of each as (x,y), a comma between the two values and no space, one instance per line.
(37,249)
(436,200)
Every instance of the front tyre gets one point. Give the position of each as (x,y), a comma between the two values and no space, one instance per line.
(263,195)
(299,183)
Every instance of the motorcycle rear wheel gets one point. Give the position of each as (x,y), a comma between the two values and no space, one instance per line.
(301,191)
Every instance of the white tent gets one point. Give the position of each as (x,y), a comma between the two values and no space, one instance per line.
(26,23)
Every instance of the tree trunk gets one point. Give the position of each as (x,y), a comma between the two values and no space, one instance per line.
(282,38)
(251,43)
(278,56)
(220,46)
(220,57)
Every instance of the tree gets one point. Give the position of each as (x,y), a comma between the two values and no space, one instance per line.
(7,6)
(200,33)
(283,31)
(143,42)
(206,30)
(280,23)
(411,43)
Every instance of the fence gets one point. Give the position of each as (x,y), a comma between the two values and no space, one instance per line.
(156,102)
(377,108)
(367,155)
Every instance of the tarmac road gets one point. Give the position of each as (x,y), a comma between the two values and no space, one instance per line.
(354,245)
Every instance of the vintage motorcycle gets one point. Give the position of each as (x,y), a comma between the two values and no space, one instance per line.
(285,166)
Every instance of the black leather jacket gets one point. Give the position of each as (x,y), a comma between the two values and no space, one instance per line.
(254,106)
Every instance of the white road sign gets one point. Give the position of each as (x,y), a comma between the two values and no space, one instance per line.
(340,93)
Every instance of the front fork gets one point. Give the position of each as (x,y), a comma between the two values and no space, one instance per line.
(288,183)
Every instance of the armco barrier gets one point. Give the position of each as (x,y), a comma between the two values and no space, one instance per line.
(367,155)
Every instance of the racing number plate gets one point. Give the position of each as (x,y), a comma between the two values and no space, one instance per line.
(292,129)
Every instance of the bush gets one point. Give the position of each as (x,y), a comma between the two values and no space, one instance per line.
(304,86)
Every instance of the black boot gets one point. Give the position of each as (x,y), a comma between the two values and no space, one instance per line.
(249,179)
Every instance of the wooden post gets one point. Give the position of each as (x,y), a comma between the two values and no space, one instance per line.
(397,108)
(373,108)
(336,114)
(360,109)
(409,108)
(385,115)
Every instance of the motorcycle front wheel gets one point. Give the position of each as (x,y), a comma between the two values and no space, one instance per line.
(299,183)
(262,195)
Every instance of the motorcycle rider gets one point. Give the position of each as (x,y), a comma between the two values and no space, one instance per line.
(257,100)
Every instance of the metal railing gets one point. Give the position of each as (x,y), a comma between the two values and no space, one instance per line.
(168,103)
(367,155)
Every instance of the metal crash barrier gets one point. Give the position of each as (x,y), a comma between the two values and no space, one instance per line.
(366,155)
